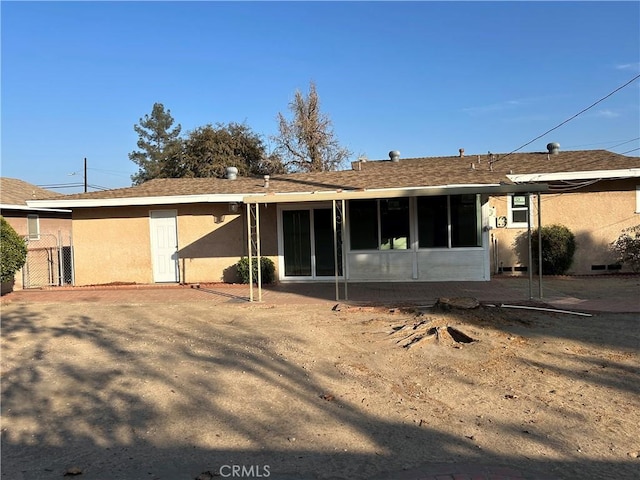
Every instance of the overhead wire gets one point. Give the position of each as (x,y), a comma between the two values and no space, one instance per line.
(570,118)
(629,151)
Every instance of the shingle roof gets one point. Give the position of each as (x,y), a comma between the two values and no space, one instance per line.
(17,192)
(410,172)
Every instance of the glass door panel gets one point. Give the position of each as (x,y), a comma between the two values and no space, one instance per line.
(297,243)
(323,235)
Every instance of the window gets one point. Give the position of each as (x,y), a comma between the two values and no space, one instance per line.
(465,221)
(33,227)
(449,221)
(433,222)
(517,210)
(394,224)
(380,224)
(363,223)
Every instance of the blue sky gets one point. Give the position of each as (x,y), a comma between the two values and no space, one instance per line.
(424,78)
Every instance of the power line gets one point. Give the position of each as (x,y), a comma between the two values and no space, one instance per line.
(570,147)
(571,118)
(629,151)
(624,143)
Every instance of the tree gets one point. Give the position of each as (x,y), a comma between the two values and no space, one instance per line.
(209,150)
(160,146)
(307,142)
(14,251)
(627,248)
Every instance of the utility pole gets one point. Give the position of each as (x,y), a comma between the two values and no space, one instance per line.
(85,174)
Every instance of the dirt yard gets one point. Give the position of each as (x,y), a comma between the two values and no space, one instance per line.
(190,390)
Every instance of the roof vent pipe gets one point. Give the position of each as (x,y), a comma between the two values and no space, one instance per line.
(461,152)
(394,155)
(266,181)
(553,148)
(232,173)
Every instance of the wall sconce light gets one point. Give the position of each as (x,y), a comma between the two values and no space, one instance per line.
(233,207)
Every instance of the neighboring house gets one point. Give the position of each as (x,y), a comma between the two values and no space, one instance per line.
(426,219)
(47,231)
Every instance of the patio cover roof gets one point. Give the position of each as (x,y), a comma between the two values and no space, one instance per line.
(394,192)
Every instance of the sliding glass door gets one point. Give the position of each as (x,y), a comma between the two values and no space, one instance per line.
(308,243)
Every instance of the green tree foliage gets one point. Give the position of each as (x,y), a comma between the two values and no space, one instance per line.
(558,247)
(14,251)
(307,142)
(159,143)
(627,248)
(209,150)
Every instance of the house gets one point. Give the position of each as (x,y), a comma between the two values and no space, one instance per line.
(47,231)
(596,194)
(422,219)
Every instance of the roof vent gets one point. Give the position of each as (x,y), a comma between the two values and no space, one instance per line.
(553,148)
(461,151)
(232,173)
(394,155)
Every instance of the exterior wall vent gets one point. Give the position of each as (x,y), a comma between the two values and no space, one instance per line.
(394,155)
(232,173)
(553,148)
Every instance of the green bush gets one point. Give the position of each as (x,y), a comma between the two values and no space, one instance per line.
(627,247)
(558,247)
(267,267)
(14,252)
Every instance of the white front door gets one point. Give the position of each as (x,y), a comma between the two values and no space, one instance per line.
(164,245)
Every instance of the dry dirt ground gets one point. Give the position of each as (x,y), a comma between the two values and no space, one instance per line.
(172,391)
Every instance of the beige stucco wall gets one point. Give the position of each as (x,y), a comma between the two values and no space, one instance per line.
(113,244)
(48,225)
(52,229)
(596,216)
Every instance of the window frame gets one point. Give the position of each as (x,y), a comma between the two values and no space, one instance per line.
(511,209)
(33,219)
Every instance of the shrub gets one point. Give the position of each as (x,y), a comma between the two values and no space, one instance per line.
(267,267)
(14,251)
(627,247)
(558,247)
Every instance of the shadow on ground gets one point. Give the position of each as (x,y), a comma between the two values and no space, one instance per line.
(134,397)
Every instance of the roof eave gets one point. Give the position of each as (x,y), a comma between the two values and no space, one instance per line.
(581,175)
(137,201)
(496,188)
(5,206)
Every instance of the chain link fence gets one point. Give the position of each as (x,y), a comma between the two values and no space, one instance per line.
(49,261)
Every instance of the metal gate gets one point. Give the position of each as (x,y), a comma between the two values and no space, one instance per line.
(49,261)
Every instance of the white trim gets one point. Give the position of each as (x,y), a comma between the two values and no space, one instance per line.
(510,210)
(5,206)
(123,202)
(36,235)
(581,175)
(488,188)
(637,198)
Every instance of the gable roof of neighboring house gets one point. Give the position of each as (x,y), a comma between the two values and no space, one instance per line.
(413,173)
(15,193)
